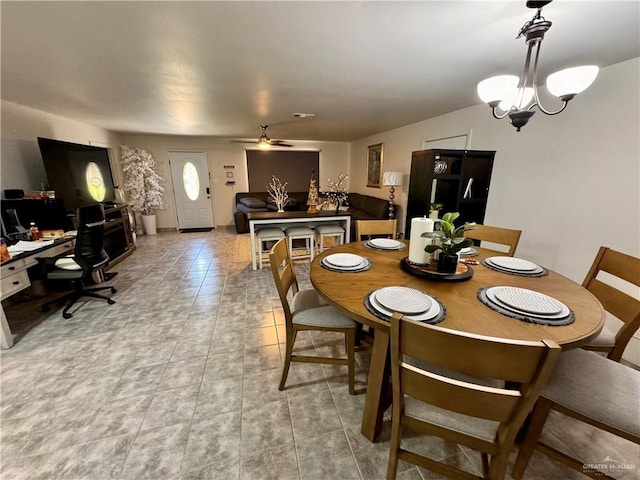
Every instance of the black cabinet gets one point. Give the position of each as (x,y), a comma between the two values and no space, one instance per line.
(118,236)
(458,179)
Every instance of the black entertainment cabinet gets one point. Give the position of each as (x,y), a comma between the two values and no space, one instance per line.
(118,236)
(50,214)
(458,179)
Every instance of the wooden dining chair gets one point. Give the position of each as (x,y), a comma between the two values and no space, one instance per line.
(499,235)
(623,319)
(437,391)
(376,227)
(306,311)
(591,389)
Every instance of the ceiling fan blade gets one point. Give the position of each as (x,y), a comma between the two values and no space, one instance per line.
(279,143)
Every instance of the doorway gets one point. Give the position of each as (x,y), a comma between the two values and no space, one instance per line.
(192,190)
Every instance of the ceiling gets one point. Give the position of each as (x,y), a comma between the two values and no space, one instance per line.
(223,68)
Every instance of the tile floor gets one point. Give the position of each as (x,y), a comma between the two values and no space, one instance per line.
(178,380)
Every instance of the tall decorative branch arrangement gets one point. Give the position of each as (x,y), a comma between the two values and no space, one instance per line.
(277,190)
(141,182)
(338,191)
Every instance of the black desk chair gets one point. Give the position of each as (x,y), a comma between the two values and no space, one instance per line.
(89,257)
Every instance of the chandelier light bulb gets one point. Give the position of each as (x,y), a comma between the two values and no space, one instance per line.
(571,81)
(494,90)
(519,99)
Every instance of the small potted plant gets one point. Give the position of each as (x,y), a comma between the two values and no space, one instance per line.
(434,210)
(450,243)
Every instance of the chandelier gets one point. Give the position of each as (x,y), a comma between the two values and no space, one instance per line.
(508,95)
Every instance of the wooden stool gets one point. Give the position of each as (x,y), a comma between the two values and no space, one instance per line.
(266,235)
(301,233)
(331,230)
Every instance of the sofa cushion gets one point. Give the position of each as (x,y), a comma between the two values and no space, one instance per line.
(292,204)
(244,209)
(253,202)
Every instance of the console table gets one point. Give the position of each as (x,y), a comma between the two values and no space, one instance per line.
(15,278)
(285,219)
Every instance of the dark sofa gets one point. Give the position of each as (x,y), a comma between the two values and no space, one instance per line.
(361,207)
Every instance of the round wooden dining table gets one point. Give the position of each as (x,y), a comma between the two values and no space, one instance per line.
(346,291)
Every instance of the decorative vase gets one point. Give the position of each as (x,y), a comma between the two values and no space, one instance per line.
(447,263)
(149,223)
(434,214)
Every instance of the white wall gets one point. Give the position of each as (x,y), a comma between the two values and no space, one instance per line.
(334,159)
(570,182)
(21,162)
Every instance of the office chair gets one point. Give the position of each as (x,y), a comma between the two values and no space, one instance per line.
(89,257)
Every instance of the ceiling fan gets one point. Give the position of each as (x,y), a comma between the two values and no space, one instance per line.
(265,142)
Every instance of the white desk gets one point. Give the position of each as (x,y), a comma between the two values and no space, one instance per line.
(14,278)
(285,219)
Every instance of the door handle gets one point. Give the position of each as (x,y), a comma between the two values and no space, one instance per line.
(208,192)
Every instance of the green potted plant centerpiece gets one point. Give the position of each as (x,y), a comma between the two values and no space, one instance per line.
(450,242)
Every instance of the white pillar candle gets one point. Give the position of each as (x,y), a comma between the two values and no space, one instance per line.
(417,242)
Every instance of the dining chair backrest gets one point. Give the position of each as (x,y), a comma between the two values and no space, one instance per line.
(284,275)
(449,369)
(499,235)
(621,305)
(376,227)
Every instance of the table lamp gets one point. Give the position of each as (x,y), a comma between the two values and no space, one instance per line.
(392,179)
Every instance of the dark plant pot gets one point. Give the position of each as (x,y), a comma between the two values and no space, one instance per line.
(447,263)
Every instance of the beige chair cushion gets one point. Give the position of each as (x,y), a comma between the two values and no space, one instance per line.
(598,388)
(298,231)
(270,233)
(607,337)
(323,317)
(67,263)
(307,298)
(329,229)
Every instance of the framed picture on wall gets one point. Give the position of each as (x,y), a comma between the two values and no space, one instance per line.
(374,165)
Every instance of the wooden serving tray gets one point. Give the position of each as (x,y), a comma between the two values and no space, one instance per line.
(430,272)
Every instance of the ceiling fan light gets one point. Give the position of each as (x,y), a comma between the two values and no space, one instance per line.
(517,99)
(495,89)
(571,81)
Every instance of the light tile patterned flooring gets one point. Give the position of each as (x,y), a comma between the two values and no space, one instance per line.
(178,380)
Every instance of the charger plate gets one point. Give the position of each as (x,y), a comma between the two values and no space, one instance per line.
(343,260)
(549,320)
(539,272)
(365,265)
(385,244)
(403,299)
(436,313)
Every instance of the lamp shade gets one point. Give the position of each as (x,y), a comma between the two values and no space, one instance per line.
(498,88)
(571,81)
(519,99)
(392,179)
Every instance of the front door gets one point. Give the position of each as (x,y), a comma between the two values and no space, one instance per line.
(190,173)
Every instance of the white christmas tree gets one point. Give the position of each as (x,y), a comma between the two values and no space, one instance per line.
(141,182)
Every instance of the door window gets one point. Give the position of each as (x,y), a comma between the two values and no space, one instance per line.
(191,181)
